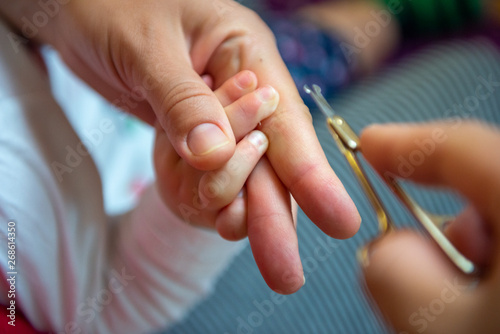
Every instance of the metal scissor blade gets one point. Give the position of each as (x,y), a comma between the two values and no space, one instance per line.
(320,101)
(334,121)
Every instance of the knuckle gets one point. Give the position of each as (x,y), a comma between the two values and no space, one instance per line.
(215,189)
(246,156)
(185,95)
(300,177)
(251,108)
(283,123)
(234,167)
(263,219)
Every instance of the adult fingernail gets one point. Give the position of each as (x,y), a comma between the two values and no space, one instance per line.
(258,139)
(206,138)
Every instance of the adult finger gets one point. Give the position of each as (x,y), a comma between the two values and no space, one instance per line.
(430,154)
(415,286)
(457,156)
(187,109)
(294,152)
(271,231)
(472,237)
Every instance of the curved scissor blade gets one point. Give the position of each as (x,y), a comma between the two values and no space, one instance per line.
(320,101)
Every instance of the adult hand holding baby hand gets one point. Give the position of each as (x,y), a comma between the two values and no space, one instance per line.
(148,56)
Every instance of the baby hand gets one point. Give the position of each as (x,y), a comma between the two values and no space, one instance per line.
(216,199)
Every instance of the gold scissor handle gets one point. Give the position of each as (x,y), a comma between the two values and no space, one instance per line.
(349,144)
(433,224)
(384,221)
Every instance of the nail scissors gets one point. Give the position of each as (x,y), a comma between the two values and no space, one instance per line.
(349,145)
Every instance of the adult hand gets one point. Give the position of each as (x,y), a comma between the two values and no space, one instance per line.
(147,58)
(415,285)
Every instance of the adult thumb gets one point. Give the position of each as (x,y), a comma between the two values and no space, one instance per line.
(190,114)
(415,285)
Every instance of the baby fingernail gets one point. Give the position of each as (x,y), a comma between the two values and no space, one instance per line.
(206,138)
(245,79)
(269,97)
(267,93)
(258,139)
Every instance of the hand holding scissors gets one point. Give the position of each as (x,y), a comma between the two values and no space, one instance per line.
(422,285)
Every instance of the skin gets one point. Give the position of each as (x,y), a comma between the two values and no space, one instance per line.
(147,57)
(214,199)
(406,273)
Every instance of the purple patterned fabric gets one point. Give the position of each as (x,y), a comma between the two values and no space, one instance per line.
(311,55)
